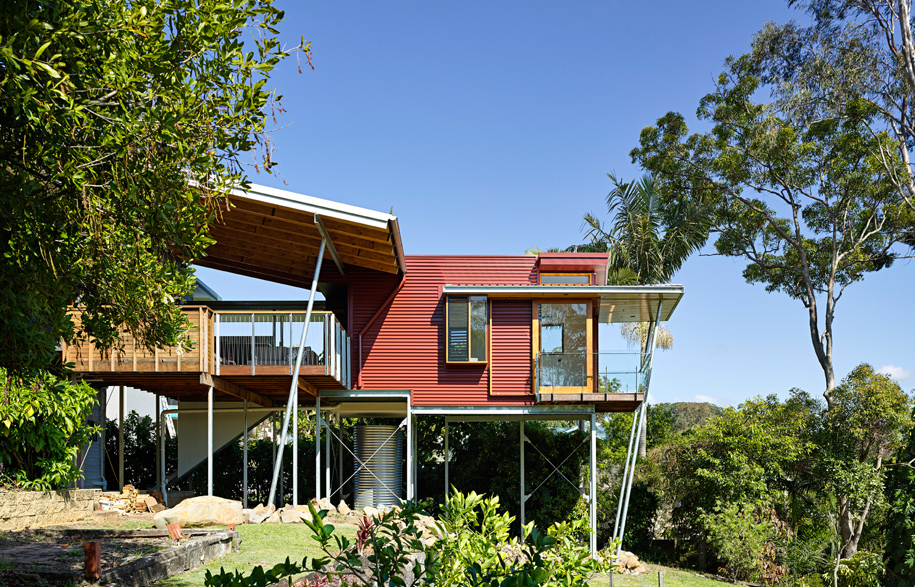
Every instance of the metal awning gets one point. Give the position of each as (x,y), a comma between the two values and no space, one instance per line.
(272,234)
(617,303)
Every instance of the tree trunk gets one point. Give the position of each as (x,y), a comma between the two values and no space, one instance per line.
(847,529)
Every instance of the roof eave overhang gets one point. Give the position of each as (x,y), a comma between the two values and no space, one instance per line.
(644,298)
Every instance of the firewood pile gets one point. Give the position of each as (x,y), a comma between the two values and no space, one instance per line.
(129,500)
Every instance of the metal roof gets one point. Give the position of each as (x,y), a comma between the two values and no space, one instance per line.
(272,234)
(617,303)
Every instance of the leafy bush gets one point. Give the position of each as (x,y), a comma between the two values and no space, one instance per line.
(747,540)
(42,425)
(862,570)
(473,548)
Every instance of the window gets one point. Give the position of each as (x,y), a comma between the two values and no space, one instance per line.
(466,319)
(565,279)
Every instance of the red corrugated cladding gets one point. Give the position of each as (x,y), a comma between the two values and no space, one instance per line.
(404,348)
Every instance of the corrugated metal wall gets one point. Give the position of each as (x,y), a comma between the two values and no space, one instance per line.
(404,348)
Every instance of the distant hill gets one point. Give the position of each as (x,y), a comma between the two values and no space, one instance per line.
(685,415)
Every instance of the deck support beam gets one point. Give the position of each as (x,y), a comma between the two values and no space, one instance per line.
(235,390)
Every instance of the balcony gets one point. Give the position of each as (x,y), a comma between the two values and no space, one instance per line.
(230,345)
(608,377)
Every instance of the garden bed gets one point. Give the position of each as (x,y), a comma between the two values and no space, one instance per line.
(128,557)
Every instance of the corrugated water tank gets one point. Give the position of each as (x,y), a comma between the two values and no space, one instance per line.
(380,483)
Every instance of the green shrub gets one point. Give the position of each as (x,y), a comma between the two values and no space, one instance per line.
(862,570)
(42,426)
(747,540)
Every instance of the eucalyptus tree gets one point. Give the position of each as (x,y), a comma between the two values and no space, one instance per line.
(810,206)
(122,126)
(852,50)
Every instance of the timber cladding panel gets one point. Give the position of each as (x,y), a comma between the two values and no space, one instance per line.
(510,363)
(405,347)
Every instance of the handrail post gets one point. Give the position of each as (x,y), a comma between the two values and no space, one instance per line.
(253,336)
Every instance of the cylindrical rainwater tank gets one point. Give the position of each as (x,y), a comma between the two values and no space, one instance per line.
(380,482)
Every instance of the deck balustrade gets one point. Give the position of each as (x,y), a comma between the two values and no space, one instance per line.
(230,343)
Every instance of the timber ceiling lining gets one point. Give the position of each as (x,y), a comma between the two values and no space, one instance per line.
(271,235)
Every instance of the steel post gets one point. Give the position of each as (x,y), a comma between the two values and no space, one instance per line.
(295,373)
(244,475)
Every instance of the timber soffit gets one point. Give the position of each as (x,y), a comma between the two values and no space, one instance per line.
(617,303)
(270,231)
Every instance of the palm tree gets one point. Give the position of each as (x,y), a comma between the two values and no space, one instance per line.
(648,240)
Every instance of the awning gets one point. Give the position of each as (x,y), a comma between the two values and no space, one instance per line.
(617,303)
(272,234)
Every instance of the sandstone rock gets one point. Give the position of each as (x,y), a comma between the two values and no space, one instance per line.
(342,508)
(290,516)
(201,511)
(325,504)
(264,509)
(275,517)
(633,562)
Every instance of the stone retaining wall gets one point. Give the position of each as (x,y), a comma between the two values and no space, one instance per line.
(33,509)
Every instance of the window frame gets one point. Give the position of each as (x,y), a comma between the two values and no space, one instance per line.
(487,329)
(589,275)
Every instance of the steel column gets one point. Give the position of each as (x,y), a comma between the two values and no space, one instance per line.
(294,386)
(158,433)
(121,437)
(410,456)
(447,456)
(523,496)
(318,446)
(244,475)
(210,441)
(619,502)
(295,451)
(652,345)
(327,458)
(593,489)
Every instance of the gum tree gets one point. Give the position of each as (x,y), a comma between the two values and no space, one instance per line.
(810,207)
(122,126)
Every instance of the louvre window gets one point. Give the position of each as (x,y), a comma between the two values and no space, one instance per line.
(467,319)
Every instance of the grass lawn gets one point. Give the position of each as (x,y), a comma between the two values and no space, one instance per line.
(672,578)
(264,545)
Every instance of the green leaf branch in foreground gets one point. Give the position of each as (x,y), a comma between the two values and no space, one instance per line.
(42,430)
(122,126)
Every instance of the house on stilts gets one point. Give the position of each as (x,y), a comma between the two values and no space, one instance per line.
(467,338)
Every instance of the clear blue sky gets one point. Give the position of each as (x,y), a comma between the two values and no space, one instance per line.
(489,127)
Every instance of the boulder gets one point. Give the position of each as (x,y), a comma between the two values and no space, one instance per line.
(290,516)
(275,517)
(264,509)
(371,512)
(342,508)
(325,504)
(201,511)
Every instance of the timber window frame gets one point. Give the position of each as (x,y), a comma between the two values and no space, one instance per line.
(466,330)
(566,278)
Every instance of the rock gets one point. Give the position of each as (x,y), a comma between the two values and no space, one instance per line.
(342,508)
(275,517)
(264,509)
(371,512)
(633,562)
(325,504)
(201,511)
(290,516)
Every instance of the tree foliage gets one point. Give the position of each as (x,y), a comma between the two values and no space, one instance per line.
(853,50)
(43,429)
(810,207)
(122,126)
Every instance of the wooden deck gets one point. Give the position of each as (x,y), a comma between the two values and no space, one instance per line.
(188,375)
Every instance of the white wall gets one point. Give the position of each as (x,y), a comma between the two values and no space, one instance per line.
(192,429)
